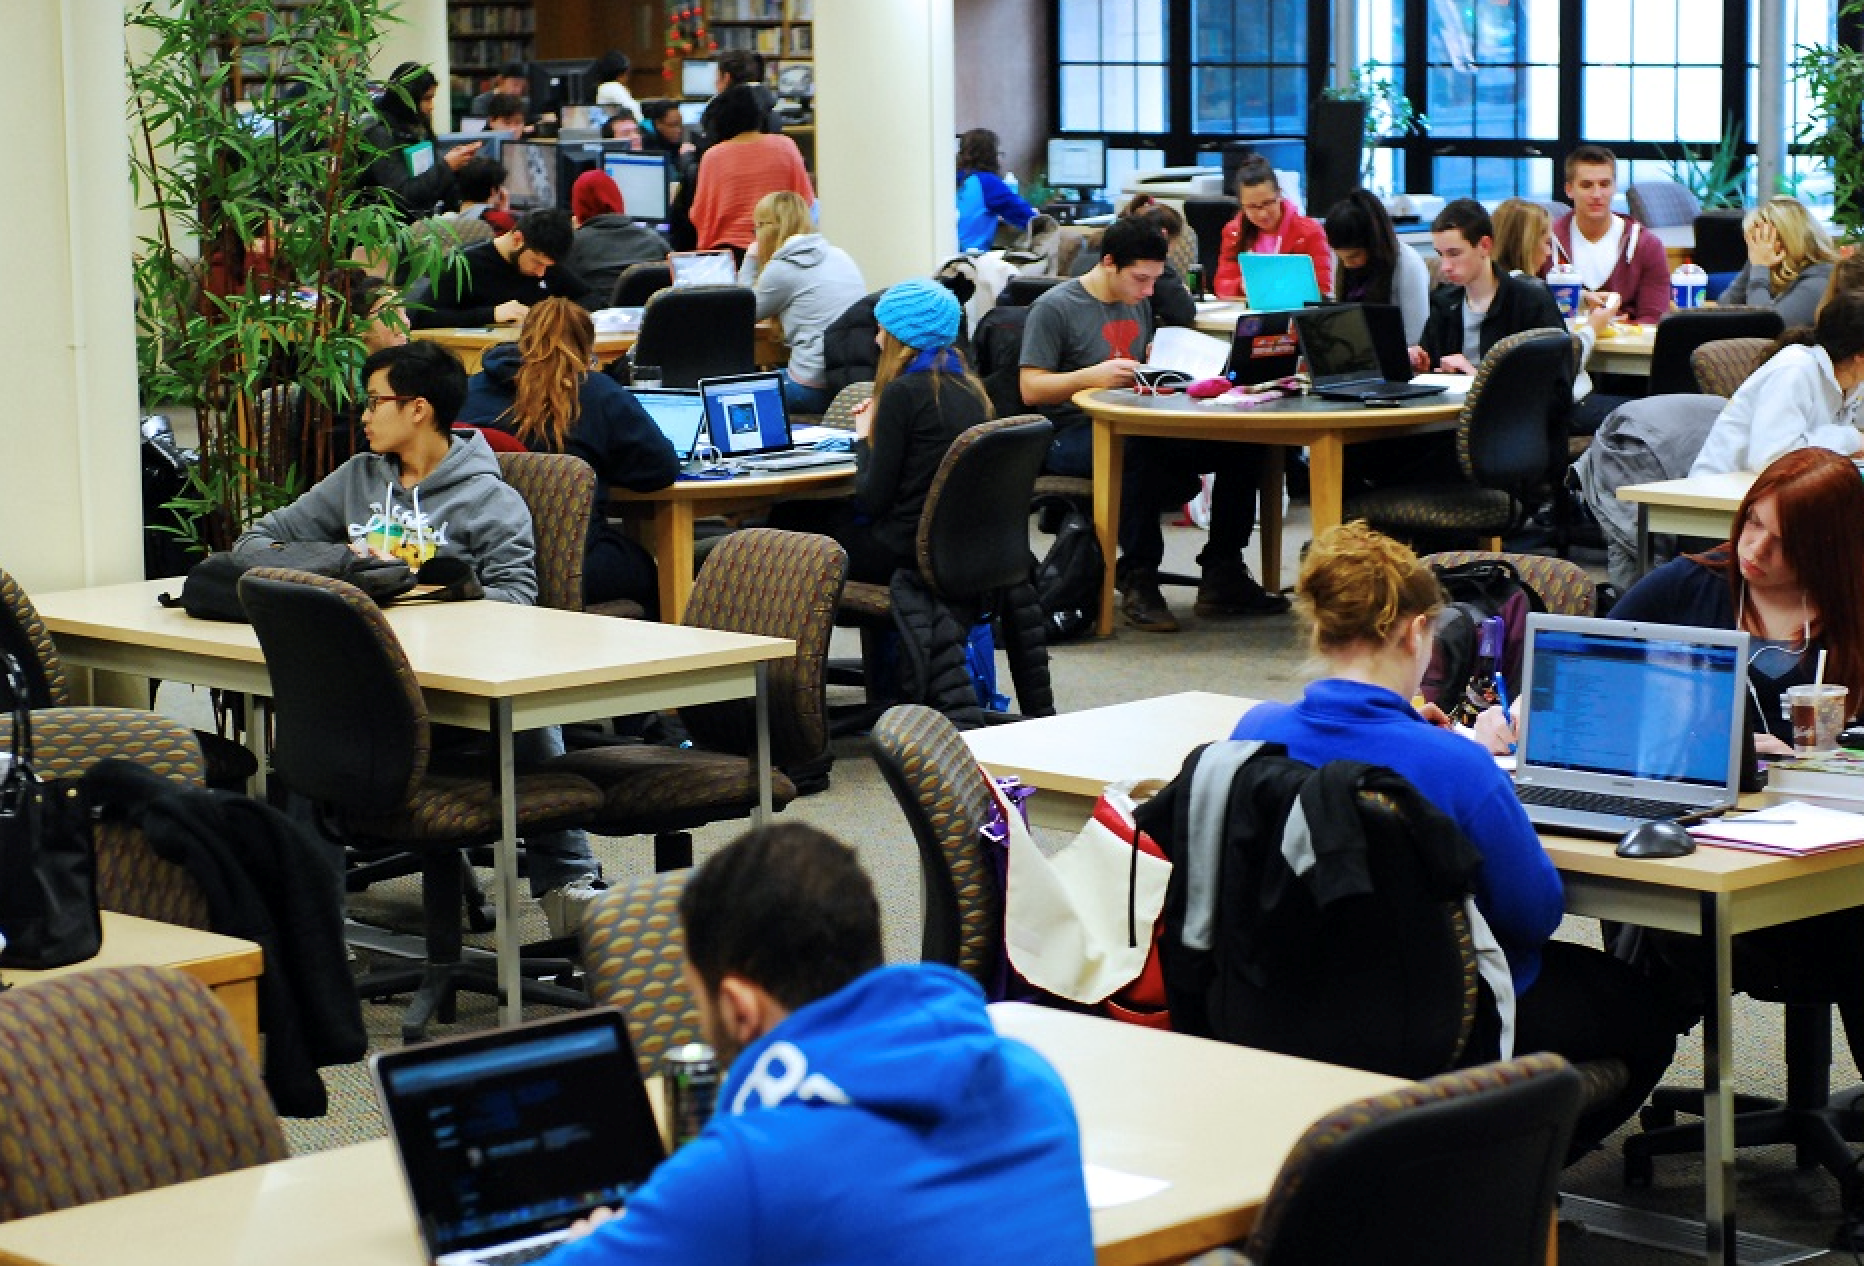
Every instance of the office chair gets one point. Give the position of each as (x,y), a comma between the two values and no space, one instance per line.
(632,954)
(1681,333)
(1661,203)
(1206,217)
(1722,366)
(638,283)
(698,332)
(1020,292)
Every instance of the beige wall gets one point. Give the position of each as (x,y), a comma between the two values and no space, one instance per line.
(420,36)
(1001,78)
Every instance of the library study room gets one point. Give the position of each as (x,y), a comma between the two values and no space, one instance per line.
(1054,631)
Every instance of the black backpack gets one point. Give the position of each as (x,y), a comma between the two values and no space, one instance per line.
(1069,577)
(1476,591)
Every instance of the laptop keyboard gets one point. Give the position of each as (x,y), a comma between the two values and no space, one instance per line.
(518,1256)
(1599,802)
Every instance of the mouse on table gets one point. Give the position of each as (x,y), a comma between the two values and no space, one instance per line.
(1656,839)
(1851,738)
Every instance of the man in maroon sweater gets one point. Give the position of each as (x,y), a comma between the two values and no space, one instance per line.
(1613,253)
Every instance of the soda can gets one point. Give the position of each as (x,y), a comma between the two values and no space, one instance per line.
(689,1075)
(1194,280)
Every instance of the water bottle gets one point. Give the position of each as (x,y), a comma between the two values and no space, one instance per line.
(1689,286)
(1563,280)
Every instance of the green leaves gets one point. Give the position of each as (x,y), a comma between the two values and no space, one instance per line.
(1833,78)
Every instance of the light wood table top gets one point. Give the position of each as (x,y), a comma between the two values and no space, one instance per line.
(1721,493)
(229,966)
(1220,1151)
(473,342)
(1624,349)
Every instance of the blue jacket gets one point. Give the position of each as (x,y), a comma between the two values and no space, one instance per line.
(885,1123)
(983,201)
(1518,891)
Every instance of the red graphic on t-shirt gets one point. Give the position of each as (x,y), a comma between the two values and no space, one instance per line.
(1120,336)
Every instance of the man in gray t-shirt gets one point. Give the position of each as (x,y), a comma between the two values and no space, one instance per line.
(1093,332)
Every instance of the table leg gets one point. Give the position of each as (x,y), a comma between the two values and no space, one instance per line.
(1326,480)
(1718,1128)
(763,745)
(1269,525)
(505,868)
(258,717)
(671,529)
(1643,539)
(1109,469)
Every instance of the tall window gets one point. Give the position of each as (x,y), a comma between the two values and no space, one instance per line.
(1112,72)
(1249,67)
(1492,73)
(1652,71)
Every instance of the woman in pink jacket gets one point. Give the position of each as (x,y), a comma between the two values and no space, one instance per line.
(1268,224)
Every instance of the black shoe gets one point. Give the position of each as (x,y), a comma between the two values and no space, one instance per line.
(1227,589)
(1144,607)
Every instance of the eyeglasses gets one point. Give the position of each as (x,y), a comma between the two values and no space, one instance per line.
(1260,207)
(371,401)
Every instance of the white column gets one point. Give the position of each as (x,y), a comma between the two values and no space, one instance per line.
(1345,42)
(1770,105)
(419,36)
(70,481)
(883,77)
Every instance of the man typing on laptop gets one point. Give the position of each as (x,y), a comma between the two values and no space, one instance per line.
(869,1113)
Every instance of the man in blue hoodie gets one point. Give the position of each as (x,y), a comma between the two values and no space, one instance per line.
(422,491)
(870,1114)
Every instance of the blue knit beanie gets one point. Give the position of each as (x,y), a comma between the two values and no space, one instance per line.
(919,313)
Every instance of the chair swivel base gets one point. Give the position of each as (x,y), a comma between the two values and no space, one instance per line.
(436,986)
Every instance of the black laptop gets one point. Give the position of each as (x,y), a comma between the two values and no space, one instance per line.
(1344,356)
(1263,348)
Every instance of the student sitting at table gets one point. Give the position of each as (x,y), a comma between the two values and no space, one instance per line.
(924,398)
(1268,224)
(607,242)
(1371,607)
(505,114)
(868,1113)
(1374,266)
(1478,304)
(420,491)
(805,282)
(1613,253)
(985,202)
(1788,265)
(1171,303)
(495,282)
(542,390)
(1523,245)
(481,186)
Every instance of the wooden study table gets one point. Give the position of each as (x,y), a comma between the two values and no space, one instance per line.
(1701,505)
(472,342)
(1323,427)
(666,516)
(1220,1150)
(225,964)
(1714,893)
(489,666)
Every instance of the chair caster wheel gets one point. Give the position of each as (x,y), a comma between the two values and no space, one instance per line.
(1655,1118)
(480,916)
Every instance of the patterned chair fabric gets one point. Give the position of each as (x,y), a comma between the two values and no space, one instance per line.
(1182,254)
(560,491)
(169,1093)
(1722,366)
(840,413)
(1661,203)
(947,800)
(631,952)
(1460,1169)
(1563,585)
(25,616)
(654,788)
(1672,355)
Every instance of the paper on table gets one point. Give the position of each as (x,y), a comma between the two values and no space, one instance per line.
(1454,384)
(1792,827)
(616,320)
(1109,1187)
(1198,355)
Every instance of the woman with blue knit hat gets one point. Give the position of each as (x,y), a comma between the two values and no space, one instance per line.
(924,398)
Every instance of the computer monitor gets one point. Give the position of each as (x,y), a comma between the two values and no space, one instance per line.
(698,78)
(556,84)
(643,180)
(530,174)
(576,157)
(1077,163)
(692,113)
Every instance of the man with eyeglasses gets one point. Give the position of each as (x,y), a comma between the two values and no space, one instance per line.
(496,282)
(1268,224)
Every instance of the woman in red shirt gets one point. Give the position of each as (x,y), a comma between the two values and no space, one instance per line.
(741,168)
(1268,224)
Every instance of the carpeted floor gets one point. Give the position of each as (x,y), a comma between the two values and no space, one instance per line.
(1261,658)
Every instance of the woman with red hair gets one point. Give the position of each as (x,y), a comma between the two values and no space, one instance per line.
(1792,575)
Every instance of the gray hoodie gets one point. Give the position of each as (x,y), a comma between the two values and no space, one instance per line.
(463,510)
(807,284)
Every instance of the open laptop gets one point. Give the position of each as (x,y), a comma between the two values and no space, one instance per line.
(1344,362)
(750,426)
(1625,722)
(703,268)
(1263,348)
(1275,282)
(507,1137)
(680,415)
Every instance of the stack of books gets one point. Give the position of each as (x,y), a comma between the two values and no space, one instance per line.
(1835,780)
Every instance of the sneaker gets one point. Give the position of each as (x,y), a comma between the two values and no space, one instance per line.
(565,906)
(1144,607)
(1227,589)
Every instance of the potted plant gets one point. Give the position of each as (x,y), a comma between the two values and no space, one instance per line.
(1833,77)
(1382,111)
(248,119)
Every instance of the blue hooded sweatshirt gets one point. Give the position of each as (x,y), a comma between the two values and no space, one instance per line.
(888,1123)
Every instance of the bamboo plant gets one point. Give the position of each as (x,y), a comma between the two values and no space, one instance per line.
(1832,77)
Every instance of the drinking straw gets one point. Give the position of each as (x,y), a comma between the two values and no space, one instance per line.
(1818,674)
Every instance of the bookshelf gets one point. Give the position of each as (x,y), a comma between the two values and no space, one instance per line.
(782,30)
(482,35)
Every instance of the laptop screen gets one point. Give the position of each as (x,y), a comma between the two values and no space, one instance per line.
(518,1131)
(680,415)
(703,268)
(1633,701)
(1337,342)
(1263,347)
(1274,282)
(746,414)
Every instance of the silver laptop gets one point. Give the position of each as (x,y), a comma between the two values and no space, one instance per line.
(750,425)
(1626,722)
(680,415)
(507,1137)
(703,268)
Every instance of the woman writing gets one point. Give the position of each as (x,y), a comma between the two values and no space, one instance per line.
(1374,266)
(1789,261)
(541,389)
(924,398)
(805,283)
(1371,607)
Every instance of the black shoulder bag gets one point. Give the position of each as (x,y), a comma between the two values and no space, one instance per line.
(48,863)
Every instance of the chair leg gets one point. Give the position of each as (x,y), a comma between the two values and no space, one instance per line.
(673,850)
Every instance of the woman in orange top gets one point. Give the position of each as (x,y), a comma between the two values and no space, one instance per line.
(741,168)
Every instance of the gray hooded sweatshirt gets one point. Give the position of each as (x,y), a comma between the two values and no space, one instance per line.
(462,510)
(807,284)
